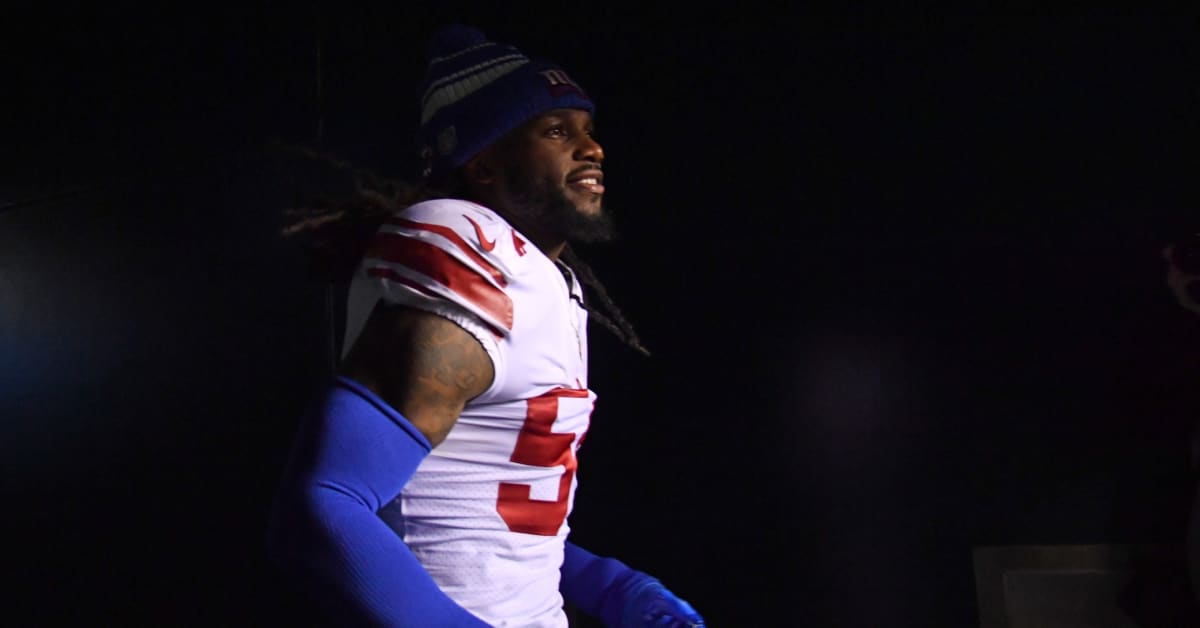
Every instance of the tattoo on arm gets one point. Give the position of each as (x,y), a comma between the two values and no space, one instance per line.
(423,365)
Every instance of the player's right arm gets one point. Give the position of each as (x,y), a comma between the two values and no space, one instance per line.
(421,364)
(399,393)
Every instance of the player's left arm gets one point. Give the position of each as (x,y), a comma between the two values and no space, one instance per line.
(622,597)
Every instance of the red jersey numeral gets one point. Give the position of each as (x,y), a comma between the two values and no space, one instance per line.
(538,446)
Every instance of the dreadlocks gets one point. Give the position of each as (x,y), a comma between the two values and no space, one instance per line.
(336,234)
(611,317)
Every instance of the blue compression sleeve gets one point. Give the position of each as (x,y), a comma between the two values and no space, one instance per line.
(620,595)
(352,455)
(594,584)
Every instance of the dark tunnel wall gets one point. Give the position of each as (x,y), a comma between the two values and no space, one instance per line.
(900,274)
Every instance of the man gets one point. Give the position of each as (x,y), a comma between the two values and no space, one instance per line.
(432,484)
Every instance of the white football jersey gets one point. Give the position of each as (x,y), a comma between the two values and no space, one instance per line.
(486,511)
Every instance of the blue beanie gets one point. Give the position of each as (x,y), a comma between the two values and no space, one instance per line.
(476,91)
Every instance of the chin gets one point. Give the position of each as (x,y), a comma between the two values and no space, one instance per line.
(591,224)
(590,210)
(592,206)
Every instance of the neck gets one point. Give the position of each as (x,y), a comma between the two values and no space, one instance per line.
(550,246)
(555,251)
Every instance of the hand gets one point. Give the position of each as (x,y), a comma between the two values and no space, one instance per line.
(652,605)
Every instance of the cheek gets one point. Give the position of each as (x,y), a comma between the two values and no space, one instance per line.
(547,162)
(540,164)
(547,175)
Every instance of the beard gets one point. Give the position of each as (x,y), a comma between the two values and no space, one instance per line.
(547,206)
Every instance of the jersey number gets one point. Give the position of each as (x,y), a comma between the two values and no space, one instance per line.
(538,446)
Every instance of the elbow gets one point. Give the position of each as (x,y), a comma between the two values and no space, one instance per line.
(302,527)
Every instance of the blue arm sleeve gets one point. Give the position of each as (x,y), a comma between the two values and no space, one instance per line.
(620,595)
(352,455)
(598,585)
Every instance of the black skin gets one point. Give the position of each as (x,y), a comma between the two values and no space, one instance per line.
(427,367)
(530,175)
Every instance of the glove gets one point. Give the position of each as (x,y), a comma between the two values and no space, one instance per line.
(650,604)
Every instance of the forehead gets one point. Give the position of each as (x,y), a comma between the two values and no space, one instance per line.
(576,116)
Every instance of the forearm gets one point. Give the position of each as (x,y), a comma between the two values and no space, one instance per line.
(620,595)
(352,455)
(598,585)
(358,568)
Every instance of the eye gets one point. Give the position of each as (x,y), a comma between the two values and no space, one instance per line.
(557,130)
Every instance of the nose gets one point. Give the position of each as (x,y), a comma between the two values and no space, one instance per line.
(588,149)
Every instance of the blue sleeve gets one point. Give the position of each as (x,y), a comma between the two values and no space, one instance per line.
(352,455)
(621,596)
(598,585)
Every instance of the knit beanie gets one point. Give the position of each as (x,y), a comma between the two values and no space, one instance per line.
(475,91)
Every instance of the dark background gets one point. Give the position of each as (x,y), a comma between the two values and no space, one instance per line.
(901,275)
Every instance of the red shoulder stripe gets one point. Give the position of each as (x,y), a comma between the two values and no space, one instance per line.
(444,268)
(391,275)
(451,235)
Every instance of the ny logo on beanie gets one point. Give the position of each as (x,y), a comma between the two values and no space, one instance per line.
(560,83)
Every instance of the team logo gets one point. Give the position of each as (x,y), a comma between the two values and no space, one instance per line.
(560,83)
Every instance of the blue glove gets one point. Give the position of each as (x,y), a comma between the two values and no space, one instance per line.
(649,604)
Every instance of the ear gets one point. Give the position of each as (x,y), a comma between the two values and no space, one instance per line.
(479,170)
